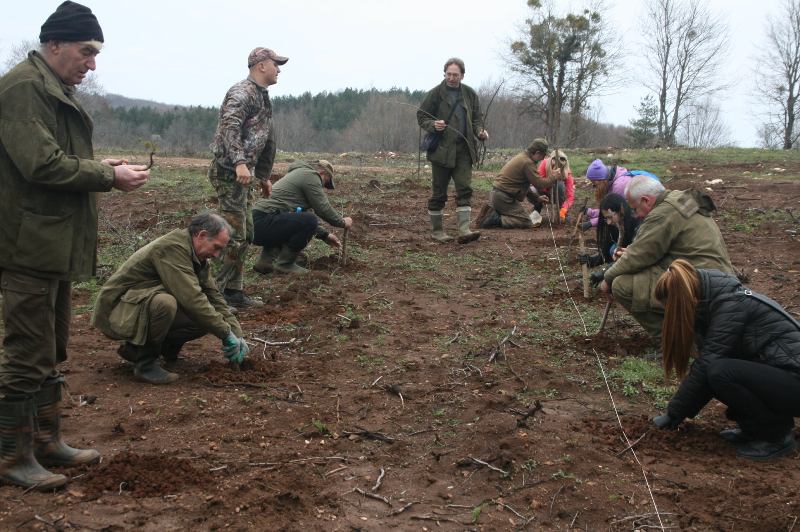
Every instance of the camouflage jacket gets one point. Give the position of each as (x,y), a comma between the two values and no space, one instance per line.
(244,131)
(48,176)
(168,265)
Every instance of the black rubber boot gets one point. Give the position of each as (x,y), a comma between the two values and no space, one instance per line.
(50,450)
(765,450)
(18,465)
(147,369)
(238,299)
(735,435)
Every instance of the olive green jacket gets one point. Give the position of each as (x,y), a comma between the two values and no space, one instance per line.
(301,187)
(168,265)
(679,227)
(518,174)
(436,106)
(48,176)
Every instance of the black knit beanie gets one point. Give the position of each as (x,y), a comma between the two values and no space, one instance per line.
(71,22)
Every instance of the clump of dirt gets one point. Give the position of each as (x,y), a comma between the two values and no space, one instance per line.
(333,262)
(614,345)
(145,475)
(251,371)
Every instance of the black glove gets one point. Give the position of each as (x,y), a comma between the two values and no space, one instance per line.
(596,277)
(590,260)
(667,422)
(585,226)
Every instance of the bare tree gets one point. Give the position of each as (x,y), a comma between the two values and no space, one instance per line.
(778,75)
(704,127)
(686,45)
(562,62)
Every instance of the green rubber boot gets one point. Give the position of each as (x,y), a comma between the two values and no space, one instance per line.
(437,224)
(464,234)
(50,449)
(285,263)
(18,465)
(264,264)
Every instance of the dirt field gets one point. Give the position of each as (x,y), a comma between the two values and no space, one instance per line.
(419,387)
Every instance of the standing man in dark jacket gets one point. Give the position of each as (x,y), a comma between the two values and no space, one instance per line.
(48,237)
(283,223)
(244,145)
(452,112)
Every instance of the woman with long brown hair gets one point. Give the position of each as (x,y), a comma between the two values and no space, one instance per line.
(747,356)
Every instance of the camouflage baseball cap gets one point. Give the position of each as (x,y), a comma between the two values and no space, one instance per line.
(262,54)
(328,167)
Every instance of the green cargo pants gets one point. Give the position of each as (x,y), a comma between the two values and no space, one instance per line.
(651,317)
(461,175)
(36,315)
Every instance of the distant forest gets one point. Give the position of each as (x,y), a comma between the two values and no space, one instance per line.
(349,120)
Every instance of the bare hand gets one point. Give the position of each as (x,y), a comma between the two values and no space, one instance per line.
(333,241)
(439,125)
(242,174)
(114,162)
(544,198)
(605,289)
(130,177)
(483,135)
(266,188)
(348,222)
(618,253)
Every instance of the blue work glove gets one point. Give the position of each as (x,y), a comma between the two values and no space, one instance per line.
(243,350)
(667,422)
(230,346)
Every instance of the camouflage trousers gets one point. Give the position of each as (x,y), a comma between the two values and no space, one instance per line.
(235,205)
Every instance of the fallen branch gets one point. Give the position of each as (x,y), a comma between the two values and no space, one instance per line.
(378,483)
(487,464)
(369,435)
(499,349)
(332,471)
(372,496)
(404,508)
(553,500)
(629,447)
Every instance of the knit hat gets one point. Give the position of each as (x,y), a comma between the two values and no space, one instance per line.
(328,167)
(538,145)
(71,22)
(262,54)
(597,171)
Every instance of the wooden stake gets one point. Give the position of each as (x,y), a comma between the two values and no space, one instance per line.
(605,316)
(584,267)
(343,258)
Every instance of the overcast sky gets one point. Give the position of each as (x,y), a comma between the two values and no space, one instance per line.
(190,52)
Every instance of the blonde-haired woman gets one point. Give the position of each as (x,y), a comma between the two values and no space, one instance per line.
(556,167)
(747,350)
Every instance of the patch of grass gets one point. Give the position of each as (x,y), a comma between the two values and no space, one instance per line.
(636,375)
(369,362)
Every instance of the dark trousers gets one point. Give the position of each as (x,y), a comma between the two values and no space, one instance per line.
(36,315)
(293,229)
(763,399)
(461,175)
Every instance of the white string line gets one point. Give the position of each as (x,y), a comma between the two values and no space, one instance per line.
(605,378)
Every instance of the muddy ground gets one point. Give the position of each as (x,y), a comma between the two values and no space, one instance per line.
(421,386)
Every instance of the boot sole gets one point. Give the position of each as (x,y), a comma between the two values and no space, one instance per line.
(63,463)
(57,481)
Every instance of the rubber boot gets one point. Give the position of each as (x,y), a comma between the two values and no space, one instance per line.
(264,264)
(18,464)
(482,214)
(147,369)
(765,450)
(437,224)
(239,300)
(464,234)
(285,263)
(50,450)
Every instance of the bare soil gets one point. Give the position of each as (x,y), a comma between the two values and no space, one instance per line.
(376,376)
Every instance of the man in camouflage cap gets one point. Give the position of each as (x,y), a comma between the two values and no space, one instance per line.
(244,145)
(48,237)
(283,223)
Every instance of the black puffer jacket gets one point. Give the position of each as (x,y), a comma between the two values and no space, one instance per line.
(732,322)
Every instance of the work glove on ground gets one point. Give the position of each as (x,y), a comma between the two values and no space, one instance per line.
(595,278)
(667,422)
(585,226)
(590,260)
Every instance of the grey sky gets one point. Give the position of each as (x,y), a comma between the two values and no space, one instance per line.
(186,52)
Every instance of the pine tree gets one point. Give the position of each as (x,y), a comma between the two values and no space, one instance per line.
(643,128)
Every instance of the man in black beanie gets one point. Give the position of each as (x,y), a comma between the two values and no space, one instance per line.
(48,237)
